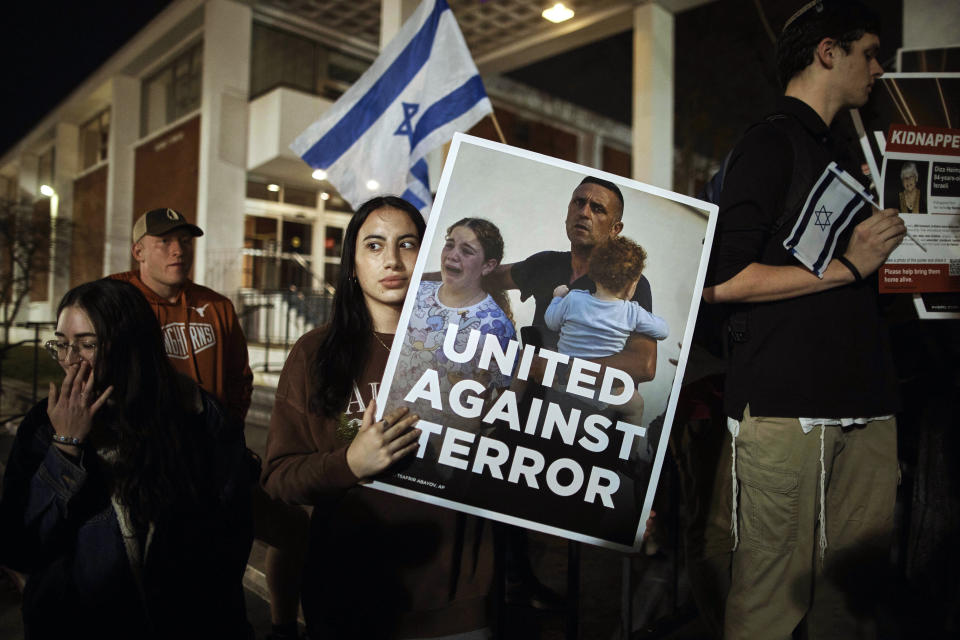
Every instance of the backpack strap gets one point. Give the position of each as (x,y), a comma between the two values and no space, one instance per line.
(714,187)
(733,320)
(796,192)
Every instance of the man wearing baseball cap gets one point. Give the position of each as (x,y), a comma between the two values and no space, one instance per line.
(200,329)
(204,341)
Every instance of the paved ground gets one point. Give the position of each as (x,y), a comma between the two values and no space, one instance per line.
(600,581)
(659,601)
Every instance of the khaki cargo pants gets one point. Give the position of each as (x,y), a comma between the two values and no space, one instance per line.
(778,579)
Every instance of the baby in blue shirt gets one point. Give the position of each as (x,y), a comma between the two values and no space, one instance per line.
(596,325)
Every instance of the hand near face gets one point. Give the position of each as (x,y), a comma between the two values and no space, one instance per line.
(380,444)
(71,410)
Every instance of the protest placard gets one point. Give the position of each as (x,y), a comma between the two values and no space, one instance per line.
(520,423)
(911,121)
(921,178)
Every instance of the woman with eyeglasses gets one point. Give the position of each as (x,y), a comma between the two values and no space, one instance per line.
(125,497)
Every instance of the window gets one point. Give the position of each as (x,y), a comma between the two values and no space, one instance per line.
(342,71)
(279,192)
(260,248)
(333,243)
(276,254)
(297,241)
(333,233)
(173,91)
(8,189)
(300,197)
(262,191)
(279,58)
(94,135)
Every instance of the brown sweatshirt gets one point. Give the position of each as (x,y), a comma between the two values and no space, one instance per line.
(379,565)
(204,341)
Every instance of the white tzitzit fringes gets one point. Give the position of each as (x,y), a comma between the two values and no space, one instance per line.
(734,529)
(823,495)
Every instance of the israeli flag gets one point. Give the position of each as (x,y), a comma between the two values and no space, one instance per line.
(832,204)
(422,88)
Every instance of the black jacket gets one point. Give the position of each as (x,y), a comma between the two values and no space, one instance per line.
(58,525)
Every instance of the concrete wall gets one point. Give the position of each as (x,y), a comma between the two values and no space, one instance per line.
(930,23)
(276,119)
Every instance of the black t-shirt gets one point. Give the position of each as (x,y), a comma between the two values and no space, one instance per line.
(543,272)
(822,355)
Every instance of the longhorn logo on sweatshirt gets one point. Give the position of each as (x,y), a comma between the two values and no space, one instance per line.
(180,339)
(200,310)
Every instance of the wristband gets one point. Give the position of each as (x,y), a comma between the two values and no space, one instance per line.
(849,265)
(74,442)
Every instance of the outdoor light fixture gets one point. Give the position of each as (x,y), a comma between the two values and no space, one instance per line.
(319,174)
(274,187)
(324,195)
(557,13)
(373,185)
(47,190)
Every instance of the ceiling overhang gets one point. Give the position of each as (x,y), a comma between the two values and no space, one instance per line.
(502,34)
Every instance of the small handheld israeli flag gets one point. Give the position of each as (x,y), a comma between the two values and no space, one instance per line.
(834,200)
(422,88)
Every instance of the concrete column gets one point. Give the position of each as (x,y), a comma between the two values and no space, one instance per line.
(585,148)
(124,133)
(223,144)
(66,164)
(393,13)
(653,95)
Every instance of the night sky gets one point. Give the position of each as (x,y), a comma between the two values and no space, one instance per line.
(724,70)
(723,63)
(50,48)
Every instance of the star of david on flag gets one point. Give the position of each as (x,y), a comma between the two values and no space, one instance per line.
(422,88)
(830,207)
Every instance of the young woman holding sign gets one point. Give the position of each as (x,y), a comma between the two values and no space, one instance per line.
(379,566)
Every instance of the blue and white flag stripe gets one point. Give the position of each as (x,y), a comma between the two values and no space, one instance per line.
(830,207)
(418,189)
(376,98)
(418,92)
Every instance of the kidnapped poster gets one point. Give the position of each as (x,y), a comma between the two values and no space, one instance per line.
(543,340)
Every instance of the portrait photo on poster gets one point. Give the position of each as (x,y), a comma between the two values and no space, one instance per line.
(905,185)
(543,341)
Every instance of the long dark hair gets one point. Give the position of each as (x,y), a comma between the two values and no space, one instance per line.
(345,348)
(157,469)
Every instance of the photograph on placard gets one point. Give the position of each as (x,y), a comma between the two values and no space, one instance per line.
(543,341)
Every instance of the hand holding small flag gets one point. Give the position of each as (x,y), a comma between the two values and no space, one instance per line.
(874,239)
